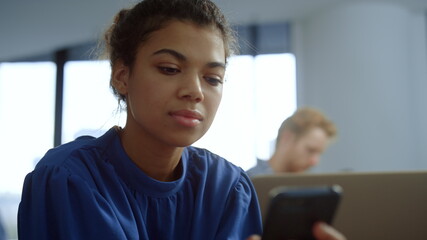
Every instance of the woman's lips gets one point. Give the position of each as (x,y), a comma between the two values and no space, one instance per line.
(187,118)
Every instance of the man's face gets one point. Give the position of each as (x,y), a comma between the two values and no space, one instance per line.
(304,152)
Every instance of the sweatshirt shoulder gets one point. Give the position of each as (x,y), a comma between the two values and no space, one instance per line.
(58,155)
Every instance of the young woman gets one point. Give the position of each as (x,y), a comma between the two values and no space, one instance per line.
(145,181)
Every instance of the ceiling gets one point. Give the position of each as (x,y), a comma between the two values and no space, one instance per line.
(29,28)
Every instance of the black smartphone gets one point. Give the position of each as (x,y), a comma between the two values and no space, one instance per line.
(292,211)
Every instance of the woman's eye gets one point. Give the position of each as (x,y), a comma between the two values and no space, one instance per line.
(214,81)
(169,70)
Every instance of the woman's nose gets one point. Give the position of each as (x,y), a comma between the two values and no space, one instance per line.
(191,89)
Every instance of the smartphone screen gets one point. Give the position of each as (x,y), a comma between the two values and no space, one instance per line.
(293,211)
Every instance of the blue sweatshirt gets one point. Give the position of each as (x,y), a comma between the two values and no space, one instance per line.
(91,189)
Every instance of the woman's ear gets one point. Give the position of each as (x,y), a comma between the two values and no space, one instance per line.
(120,77)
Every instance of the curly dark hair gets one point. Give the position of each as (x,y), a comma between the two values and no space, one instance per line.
(131,27)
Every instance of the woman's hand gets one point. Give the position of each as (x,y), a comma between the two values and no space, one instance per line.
(254,237)
(321,231)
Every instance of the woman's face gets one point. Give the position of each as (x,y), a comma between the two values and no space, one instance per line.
(175,86)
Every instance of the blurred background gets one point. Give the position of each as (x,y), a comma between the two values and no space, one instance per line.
(362,62)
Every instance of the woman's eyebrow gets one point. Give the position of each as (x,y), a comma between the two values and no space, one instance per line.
(174,53)
(216,64)
(181,57)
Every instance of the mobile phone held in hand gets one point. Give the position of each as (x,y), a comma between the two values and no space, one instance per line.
(293,211)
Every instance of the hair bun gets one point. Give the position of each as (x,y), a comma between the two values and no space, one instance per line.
(120,16)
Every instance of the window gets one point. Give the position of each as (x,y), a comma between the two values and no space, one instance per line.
(259,93)
(26,116)
(90,108)
(27,96)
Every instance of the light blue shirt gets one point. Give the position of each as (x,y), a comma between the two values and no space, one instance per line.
(261,168)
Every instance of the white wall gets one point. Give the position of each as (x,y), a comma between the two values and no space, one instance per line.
(29,28)
(364,64)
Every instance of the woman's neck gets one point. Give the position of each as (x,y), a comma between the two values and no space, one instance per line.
(157,160)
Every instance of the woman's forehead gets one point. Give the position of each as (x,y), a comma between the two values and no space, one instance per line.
(186,38)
